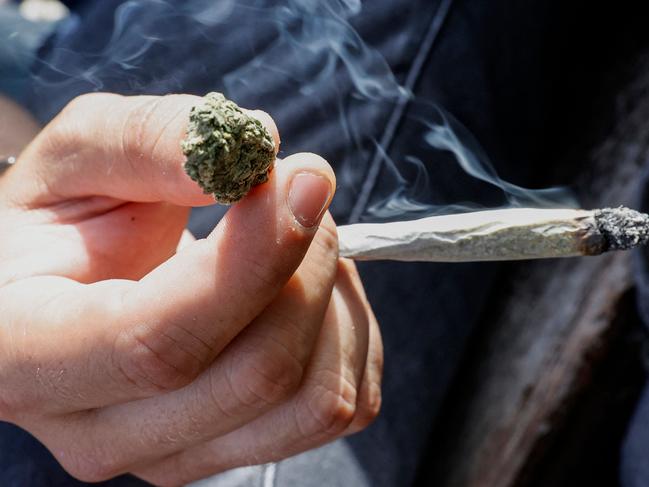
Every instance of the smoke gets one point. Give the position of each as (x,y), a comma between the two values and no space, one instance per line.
(447,136)
(307,63)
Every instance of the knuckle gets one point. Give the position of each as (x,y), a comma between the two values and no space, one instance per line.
(86,466)
(137,119)
(15,403)
(146,123)
(75,112)
(266,375)
(370,407)
(79,103)
(154,364)
(7,409)
(62,134)
(330,409)
(134,142)
(349,269)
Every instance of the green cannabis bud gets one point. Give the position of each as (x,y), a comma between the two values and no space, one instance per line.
(228,152)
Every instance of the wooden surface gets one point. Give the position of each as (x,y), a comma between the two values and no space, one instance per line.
(546,338)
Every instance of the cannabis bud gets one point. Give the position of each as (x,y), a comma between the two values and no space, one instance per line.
(228,152)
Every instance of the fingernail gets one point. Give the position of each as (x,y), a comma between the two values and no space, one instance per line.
(308,197)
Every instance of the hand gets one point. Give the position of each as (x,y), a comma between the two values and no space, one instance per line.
(123,353)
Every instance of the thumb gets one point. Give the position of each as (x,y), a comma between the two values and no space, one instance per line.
(206,294)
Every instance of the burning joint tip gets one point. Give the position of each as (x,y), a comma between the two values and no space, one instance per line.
(622,228)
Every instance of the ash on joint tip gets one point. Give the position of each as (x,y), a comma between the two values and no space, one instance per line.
(622,227)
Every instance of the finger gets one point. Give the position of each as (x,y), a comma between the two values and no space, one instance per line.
(369,394)
(138,339)
(122,147)
(324,408)
(263,367)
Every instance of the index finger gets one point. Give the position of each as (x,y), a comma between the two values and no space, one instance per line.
(126,148)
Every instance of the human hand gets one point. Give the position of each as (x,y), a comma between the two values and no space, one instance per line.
(123,354)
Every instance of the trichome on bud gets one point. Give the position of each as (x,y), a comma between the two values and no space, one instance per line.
(228,151)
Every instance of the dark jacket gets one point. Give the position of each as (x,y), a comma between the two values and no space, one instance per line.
(328,72)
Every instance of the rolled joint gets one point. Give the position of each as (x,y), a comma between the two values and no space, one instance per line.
(590,241)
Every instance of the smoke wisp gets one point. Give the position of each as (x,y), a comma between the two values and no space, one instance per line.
(306,62)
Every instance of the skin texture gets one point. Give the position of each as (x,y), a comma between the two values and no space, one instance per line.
(126,346)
